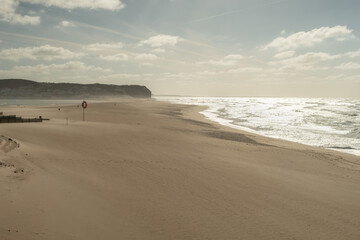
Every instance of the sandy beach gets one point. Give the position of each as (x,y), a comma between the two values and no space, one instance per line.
(141,169)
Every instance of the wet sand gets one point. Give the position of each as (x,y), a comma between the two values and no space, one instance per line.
(140,169)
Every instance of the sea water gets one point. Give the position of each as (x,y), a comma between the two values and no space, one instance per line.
(321,122)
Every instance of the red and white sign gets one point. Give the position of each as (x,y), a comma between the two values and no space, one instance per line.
(84,104)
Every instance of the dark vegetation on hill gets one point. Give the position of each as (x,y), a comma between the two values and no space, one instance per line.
(21,88)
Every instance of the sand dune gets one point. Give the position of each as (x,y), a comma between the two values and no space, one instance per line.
(142,169)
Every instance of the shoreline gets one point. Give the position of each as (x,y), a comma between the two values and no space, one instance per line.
(248,130)
(209,113)
(197,115)
(140,169)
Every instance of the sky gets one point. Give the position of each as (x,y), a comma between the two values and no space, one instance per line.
(271,48)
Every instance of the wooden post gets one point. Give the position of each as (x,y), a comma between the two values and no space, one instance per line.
(84,105)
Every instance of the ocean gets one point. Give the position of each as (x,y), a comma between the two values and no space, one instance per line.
(321,122)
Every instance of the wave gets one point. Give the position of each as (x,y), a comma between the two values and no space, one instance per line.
(341,147)
(330,123)
(355,133)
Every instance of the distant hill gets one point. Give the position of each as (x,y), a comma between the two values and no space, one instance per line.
(21,88)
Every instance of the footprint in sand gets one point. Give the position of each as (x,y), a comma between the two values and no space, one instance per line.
(7,144)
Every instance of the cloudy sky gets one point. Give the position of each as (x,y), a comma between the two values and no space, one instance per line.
(298,48)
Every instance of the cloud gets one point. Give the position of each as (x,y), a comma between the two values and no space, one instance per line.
(107,51)
(349,66)
(69,66)
(286,54)
(206,73)
(45,52)
(72,4)
(306,61)
(147,64)
(229,60)
(234,57)
(8,8)
(246,70)
(309,39)
(158,50)
(8,14)
(116,57)
(146,57)
(121,76)
(161,40)
(104,46)
(66,24)
(312,57)
(124,78)
(352,54)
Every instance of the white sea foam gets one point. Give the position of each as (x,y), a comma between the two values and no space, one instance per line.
(327,123)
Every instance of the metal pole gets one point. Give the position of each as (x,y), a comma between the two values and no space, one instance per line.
(83,114)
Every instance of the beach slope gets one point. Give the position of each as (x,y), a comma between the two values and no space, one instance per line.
(141,169)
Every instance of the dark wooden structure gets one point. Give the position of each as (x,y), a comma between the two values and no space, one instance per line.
(15,119)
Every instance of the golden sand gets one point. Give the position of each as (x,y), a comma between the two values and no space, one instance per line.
(141,169)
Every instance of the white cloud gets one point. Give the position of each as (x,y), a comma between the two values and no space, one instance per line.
(8,14)
(146,57)
(109,51)
(349,66)
(180,76)
(158,50)
(69,66)
(120,76)
(286,54)
(8,8)
(66,24)
(104,46)
(246,70)
(312,57)
(147,64)
(71,4)
(229,60)
(45,52)
(116,57)
(125,78)
(206,73)
(161,40)
(306,61)
(234,57)
(310,38)
(352,54)
(73,68)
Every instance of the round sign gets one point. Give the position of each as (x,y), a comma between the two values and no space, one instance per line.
(84,104)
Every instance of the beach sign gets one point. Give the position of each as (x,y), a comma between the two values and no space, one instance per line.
(84,105)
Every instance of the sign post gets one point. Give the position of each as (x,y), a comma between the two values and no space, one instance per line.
(84,105)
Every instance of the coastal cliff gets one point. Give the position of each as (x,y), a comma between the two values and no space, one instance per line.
(21,88)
